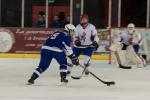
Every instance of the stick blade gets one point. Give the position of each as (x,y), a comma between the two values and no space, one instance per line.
(73,77)
(125,67)
(110,83)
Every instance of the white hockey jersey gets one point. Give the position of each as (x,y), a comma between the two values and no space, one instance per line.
(126,38)
(86,36)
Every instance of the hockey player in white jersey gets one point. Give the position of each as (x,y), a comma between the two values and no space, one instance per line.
(129,41)
(86,40)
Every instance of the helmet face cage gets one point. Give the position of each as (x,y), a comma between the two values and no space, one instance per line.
(84,16)
(131,28)
(84,19)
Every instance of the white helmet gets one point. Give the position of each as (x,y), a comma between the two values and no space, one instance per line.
(131,28)
(69,27)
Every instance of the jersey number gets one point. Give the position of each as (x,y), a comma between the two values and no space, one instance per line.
(54,35)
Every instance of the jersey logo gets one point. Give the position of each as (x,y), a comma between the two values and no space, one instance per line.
(83,36)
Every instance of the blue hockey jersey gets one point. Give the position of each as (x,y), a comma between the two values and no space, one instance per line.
(59,42)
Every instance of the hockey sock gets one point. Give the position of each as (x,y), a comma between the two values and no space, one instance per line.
(63,75)
(87,68)
(36,73)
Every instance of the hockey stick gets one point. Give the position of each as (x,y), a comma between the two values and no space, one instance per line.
(79,77)
(119,62)
(87,46)
(81,73)
(104,82)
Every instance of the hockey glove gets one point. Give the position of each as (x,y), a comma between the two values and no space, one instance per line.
(75,60)
(77,43)
(95,44)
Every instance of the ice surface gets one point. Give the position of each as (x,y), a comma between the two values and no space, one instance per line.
(131,84)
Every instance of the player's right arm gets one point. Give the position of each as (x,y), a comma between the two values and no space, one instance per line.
(68,50)
(77,41)
(94,37)
(137,39)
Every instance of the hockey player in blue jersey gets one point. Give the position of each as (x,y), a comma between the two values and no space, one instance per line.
(56,46)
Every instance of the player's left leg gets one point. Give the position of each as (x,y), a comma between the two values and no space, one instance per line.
(134,56)
(87,56)
(62,60)
(142,61)
(45,61)
(136,48)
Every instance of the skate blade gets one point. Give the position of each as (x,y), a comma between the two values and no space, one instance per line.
(139,67)
(62,84)
(29,84)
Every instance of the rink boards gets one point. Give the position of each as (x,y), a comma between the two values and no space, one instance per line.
(11,55)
